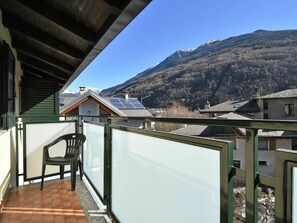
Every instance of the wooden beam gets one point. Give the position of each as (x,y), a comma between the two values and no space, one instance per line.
(12,22)
(30,51)
(108,22)
(59,19)
(41,65)
(36,70)
(119,4)
(28,73)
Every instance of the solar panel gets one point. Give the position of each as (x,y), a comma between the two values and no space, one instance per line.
(136,103)
(116,102)
(122,103)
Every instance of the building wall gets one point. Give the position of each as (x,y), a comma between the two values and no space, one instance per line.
(276,108)
(89,107)
(267,156)
(284,143)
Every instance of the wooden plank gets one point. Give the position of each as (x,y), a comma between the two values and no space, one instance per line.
(41,56)
(42,65)
(36,76)
(59,19)
(38,71)
(119,4)
(12,22)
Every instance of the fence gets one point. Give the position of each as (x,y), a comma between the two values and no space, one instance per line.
(112,152)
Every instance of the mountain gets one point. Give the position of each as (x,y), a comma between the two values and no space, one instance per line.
(235,68)
(73,93)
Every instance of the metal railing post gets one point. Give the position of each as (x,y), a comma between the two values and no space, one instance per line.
(107,166)
(251,167)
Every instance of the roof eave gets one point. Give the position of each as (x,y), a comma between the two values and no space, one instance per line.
(129,13)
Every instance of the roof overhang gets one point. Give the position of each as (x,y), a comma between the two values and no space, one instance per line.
(57,40)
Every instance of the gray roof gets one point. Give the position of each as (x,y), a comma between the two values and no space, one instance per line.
(196,130)
(291,93)
(136,112)
(233,106)
(203,130)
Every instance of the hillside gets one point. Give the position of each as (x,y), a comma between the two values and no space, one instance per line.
(235,68)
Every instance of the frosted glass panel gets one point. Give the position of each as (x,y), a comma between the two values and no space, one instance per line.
(158,180)
(94,155)
(39,135)
(294,194)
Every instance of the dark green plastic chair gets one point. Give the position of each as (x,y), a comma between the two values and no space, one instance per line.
(71,157)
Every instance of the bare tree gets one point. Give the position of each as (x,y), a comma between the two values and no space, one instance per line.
(174,111)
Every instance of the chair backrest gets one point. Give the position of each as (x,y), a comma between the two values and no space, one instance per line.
(73,142)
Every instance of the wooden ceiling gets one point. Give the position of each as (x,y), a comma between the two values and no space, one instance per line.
(57,39)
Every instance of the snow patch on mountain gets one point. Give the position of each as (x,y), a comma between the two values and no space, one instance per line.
(77,92)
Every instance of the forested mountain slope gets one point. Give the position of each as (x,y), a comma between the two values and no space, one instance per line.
(235,68)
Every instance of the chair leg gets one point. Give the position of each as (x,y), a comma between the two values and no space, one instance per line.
(61,172)
(73,168)
(80,169)
(42,177)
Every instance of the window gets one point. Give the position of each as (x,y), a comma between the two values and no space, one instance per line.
(265,116)
(263,145)
(265,106)
(7,87)
(289,109)
(263,163)
(236,163)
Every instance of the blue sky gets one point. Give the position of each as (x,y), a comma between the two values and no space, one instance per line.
(165,26)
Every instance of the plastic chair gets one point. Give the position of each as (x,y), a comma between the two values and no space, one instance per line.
(71,157)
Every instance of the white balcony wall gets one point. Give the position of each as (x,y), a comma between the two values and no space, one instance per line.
(5,162)
(37,136)
(158,180)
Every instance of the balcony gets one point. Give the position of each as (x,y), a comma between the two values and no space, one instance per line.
(141,175)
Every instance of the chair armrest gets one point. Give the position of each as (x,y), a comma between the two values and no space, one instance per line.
(46,148)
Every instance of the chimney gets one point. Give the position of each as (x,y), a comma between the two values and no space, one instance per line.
(82,90)
(126,95)
(207,105)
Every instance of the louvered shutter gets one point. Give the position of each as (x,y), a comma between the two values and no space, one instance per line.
(7,87)
(40,100)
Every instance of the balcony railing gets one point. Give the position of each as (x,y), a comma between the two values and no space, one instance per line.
(149,176)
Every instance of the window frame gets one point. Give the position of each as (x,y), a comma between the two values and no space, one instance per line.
(289,109)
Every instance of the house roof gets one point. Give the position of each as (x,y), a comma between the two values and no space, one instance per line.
(56,40)
(137,112)
(202,129)
(74,103)
(291,93)
(240,106)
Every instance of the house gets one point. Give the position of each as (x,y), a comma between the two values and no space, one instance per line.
(280,105)
(268,142)
(89,103)
(244,107)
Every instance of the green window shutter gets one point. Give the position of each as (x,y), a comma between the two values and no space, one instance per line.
(40,101)
(7,97)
